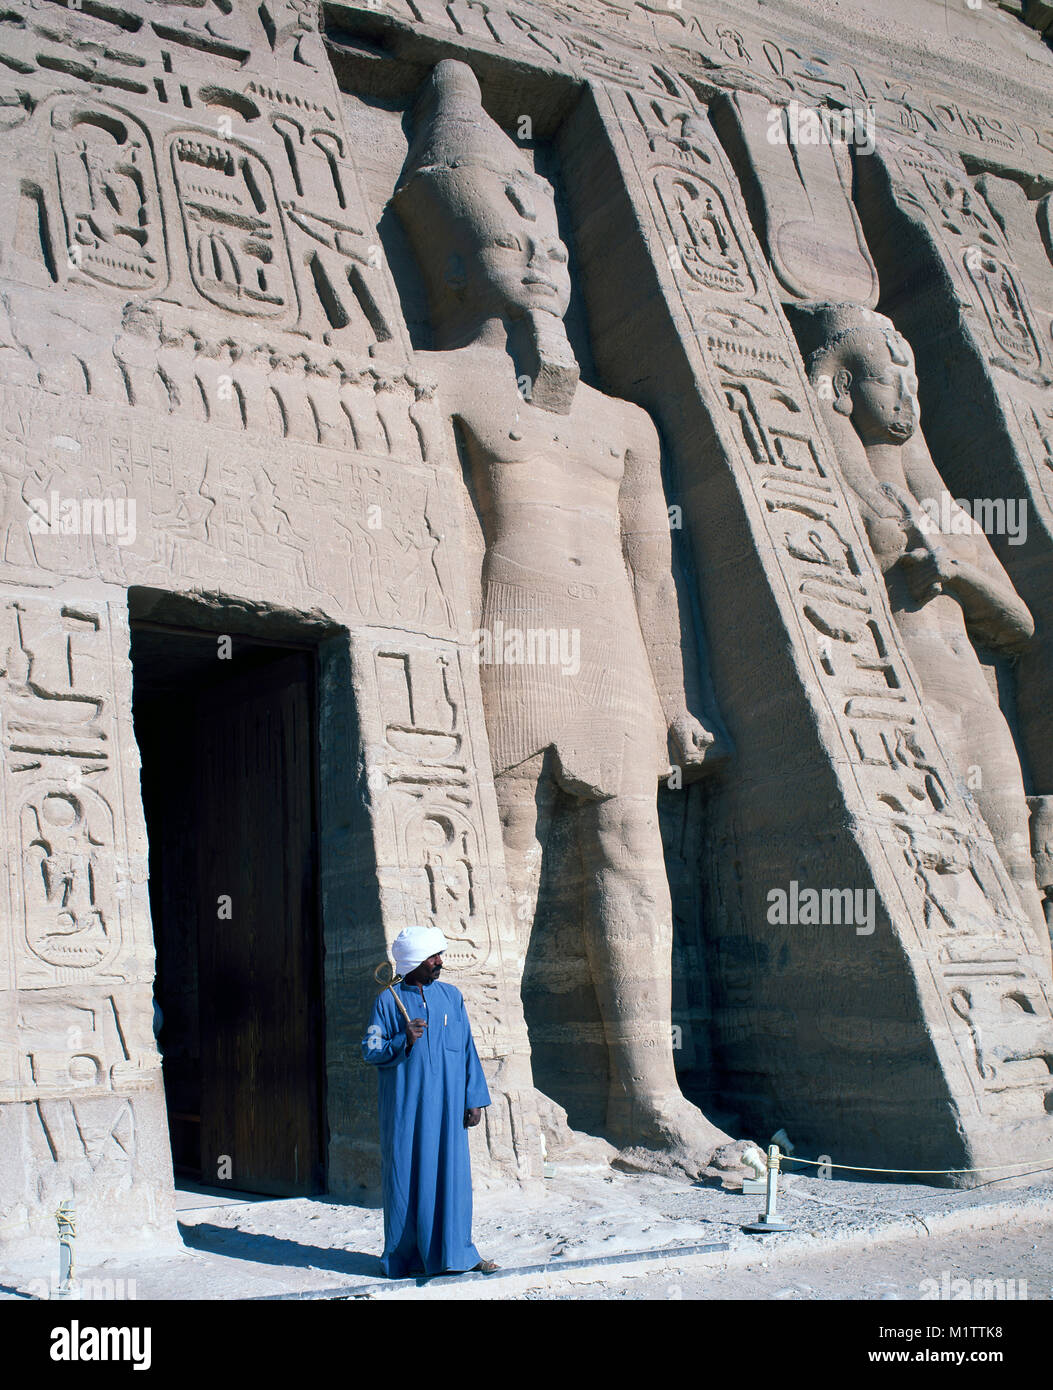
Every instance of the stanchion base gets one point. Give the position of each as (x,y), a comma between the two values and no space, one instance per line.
(762,1227)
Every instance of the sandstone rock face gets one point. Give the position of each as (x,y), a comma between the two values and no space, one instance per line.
(577,475)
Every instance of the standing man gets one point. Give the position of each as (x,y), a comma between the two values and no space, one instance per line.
(432,1090)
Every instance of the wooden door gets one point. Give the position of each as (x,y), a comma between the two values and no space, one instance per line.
(260,979)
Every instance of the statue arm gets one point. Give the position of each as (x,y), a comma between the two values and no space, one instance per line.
(647,548)
(875,501)
(968,567)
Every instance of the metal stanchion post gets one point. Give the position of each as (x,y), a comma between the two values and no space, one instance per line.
(769,1219)
(67,1231)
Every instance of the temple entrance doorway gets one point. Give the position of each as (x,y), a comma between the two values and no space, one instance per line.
(228,738)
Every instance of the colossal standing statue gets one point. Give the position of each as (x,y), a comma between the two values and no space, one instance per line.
(567,485)
(946,586)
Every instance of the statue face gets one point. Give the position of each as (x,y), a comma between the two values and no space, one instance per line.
(506,252)
(885,392)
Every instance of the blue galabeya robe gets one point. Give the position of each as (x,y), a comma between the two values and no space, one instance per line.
(423,1138)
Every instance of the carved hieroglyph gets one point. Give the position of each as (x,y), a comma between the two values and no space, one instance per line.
(81,1104)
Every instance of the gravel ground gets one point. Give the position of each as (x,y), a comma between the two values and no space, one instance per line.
(838,1246)
(997,1264)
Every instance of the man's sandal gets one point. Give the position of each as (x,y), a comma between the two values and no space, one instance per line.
(485,1267)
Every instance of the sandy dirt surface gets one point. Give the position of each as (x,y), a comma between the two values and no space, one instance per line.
(855,1240)
(967,1266)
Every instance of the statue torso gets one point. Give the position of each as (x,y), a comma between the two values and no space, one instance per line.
(547,490)
(934,629)
(547,485)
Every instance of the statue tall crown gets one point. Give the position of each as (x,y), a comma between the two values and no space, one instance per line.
(451,129)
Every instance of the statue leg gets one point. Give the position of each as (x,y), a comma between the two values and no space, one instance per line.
(526,795)
(988,745)
(976,739)
(629,938)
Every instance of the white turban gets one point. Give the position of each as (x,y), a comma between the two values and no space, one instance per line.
(414,945)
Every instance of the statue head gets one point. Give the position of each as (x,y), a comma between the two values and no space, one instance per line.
(482,223)
(864,368)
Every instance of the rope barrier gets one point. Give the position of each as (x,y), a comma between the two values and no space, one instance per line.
(769,1221)
(932,1172)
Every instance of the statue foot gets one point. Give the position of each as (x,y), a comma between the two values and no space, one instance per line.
(727,1165)
(676,1138)
(569,1146)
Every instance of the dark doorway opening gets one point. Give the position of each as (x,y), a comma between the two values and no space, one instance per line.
(228,740)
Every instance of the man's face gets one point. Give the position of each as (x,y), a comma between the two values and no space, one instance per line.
(429,970)
(508,247)
(885,393)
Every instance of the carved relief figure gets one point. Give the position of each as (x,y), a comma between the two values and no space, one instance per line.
(567,485)
(946,586)
(65,922)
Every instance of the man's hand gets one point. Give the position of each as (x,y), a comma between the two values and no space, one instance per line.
(472,1117)
(414,1030)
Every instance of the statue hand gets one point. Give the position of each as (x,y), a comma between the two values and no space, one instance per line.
(691,744)
(898,503)
(929,571)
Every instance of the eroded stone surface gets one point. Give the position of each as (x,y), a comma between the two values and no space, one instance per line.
(270,368)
